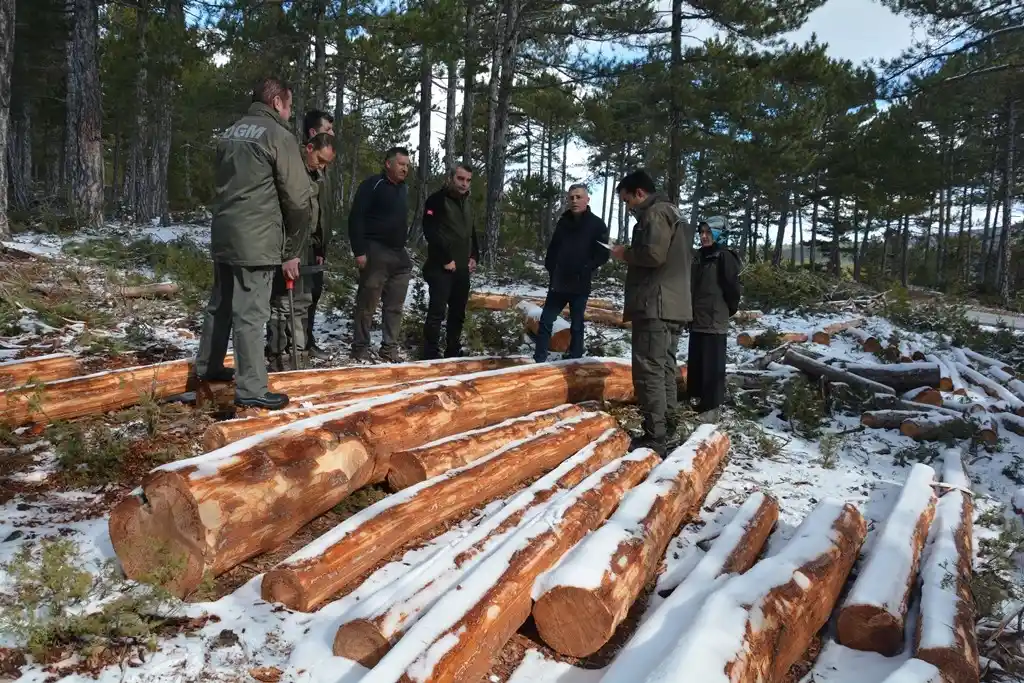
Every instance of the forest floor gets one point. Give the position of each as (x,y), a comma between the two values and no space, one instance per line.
(59,482)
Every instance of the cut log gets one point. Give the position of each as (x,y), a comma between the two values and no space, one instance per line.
(946,375)
(825,334)
(816,368)
(757,625)
(992,388)
(916,671)
(159,289)
(331,563)
(734,551)
(945,630)
(928,395)
(561,334)
(900,376)
(868,342)
(66,399)
(219,509)
(491,302)
(473,621)
(874,614)
(916,353)
(370,629)
(220,434)
(889,419)
(968,408)
(581,603)
(1006,378)
(1014,423)
(752,339)
(986,427)
(986,362)
(953,471)
(937,427)
(959,386)
(419,464)
(55,366)
(904,351)
(747,316)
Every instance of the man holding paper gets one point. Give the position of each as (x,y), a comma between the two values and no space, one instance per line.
(576,250)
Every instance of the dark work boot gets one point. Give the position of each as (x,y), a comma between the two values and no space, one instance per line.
(657,445)
(268,401)
(279,363)
(391,354)
(219,375)
(317,353)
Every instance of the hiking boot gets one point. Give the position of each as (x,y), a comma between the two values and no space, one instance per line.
(279,363)
(268,401)
(219,375)
(455,353)
(362,355)
(316,353)
(657,445)
(391,355)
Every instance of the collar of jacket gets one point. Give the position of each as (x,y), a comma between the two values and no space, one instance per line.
(451,194)
(640,210)
(569,214)
(384,177)
(264,110)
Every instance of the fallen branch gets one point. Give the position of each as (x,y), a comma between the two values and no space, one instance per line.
(874,613)
(816,369)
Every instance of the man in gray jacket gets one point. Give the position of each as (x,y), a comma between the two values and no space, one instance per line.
(658,257)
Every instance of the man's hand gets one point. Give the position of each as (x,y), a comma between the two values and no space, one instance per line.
(319,260)
(361,261)
(450,267)
(472,265)
(619,252)
(290,269)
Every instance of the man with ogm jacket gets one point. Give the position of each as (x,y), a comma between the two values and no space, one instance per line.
(260,218)
(452,253)
(314,123)
(716,297)
(378,225)
(574,253)
(658,257)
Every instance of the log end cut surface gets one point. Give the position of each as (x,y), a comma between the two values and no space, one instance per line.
(867,628)
(572,621)
(361,641)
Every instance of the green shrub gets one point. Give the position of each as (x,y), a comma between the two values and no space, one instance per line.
(803,407)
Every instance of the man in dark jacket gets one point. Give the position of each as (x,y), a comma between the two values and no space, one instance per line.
(378,225)
(658,257)
(716,297)
(260,219)
(451,256)
(315,123)
(574,253)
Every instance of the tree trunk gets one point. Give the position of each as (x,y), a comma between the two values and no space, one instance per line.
(873,616)
(698,189)
(469,83)
(55,366)
(424,462)
(781,234)
(900,376)
(787,598)
(85,115)
(937,427)
(604,193)
(6,65)
(816,369)
(382,618)
(320,54)
(423,172)
(476,622)
(169,80)
(675,131)
(339,557)
(816,202)
(584,600)
(836,235)
(492,88)
(450,115)
(135,179)
(304,473)
(19,145)
(962,265)
(986,236)
(1005,245)
(905,251)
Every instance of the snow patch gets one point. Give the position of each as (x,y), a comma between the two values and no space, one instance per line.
(939,576)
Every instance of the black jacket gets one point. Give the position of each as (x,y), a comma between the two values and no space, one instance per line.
(574,253)
(716,289)
(450,231)
(379,214)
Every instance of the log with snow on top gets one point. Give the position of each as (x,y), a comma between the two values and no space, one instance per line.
(455,640)
(332,562)
(1009,379)
(816,368)
(945,633)
(47,368)
(734,551)
(758,624)
(985,361)
(924,395)
(429,460)
(747,316)
(992,388)
(938,427)
(1014,423)
(372,627)
(561,334)
(874,614)
(968,408)
(584,599)
(900,376)
(155,290)
(953,472)
(889,419)
(752,339)
(916,671)
(948,380)
(868,342)
(825,334)
(216,510)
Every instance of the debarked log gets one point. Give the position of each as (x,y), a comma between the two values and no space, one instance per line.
(219,509)
(47,368)
(561,334)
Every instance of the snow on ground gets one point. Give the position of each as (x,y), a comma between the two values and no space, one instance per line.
(865,468)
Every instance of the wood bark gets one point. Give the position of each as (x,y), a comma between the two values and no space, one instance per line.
(6,66)
(900,376)
(734,551)
(55,366)
(412,466)
(947,380)
(561,334)
(372,628)
(936,428)
(946,592)
(1009,191)
(752,339)
(787,598)
(332,562)
(874,614)
(85,124)
(451,68)
(868,342)
(459,645)
(577,620)
(816,368)
(219,509)
(889,419)
(825,334)
(469,83)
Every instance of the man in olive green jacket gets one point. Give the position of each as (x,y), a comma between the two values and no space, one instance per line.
(316,122)
(260,219)
(658,302)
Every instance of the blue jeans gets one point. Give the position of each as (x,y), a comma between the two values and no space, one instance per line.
(553,305)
